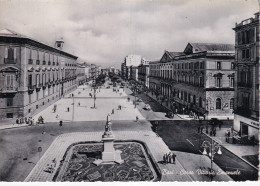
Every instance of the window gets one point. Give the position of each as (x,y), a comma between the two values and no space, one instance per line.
(200,102)
(231,103)
(9,102)
(232,65)
(9,81)
(9,115)
(218,82)
(194,99)
(10,53)
(218,103)
(218,65)
(232,82)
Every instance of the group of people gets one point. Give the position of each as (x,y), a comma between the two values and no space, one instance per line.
(50,167)
(169,158)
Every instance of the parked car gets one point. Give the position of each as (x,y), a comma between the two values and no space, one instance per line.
(147,107)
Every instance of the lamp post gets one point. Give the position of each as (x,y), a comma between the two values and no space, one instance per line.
(73,107)
(135,94)
(210,149)
(94,87)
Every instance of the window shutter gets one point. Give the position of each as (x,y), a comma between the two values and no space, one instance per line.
(6,53)
(14,53)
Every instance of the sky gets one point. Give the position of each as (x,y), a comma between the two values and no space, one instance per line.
(103,32)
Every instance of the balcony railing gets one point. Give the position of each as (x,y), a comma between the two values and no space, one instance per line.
(43,62)
(37,62)
(49,63)
(30,61)
(241,84)
(9,89)
(9,61)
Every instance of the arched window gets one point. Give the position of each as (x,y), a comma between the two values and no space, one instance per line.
(218,103)
(232,103)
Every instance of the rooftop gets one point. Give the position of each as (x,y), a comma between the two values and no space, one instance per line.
(212,47)
(7,33)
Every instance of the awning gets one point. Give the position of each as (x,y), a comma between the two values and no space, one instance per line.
(231,75)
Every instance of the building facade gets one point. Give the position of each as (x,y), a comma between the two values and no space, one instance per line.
(32,74)
(143,75)
(246,121)
(200,79)
(80,72)
(130,60)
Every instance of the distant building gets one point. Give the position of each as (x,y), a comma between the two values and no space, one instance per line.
(130,60)
(199,79)
(80,72)
(143,74)
(32,74)
(246,120)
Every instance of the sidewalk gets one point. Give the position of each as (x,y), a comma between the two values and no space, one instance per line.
(237,149)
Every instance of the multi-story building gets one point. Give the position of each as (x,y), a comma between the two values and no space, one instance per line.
(200,79)
(143,74)
(246,120)
(134,73)
(32,74)
(130,60)
(80,72)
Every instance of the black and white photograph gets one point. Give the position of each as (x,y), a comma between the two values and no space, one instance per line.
(142,91)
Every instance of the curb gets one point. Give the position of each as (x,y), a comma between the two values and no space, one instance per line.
(233,152)
(11,127)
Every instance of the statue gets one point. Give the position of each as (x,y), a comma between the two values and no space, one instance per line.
(108,130)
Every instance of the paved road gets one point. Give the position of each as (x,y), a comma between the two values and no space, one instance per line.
(183,136)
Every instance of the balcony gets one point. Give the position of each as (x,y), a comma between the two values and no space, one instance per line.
(43,62)
(30,61)
(31,88)
(53,63)
(242,84)
(242,111)
(38,87)
(8,91)
(49,63)
(37,62)
(10,61)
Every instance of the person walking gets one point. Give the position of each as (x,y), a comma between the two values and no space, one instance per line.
(214,132)
(173,158)
(199,129)
(137,118)
(164,159)
(68,109)
(113,111)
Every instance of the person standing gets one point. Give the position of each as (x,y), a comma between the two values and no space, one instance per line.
(173,158)
(199,129)
(113,111)
(164,159)
(68,109)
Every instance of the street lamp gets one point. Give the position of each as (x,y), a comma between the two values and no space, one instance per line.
(94,87)
(73,107)
(210,149)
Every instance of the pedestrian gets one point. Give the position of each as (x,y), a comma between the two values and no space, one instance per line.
(214,132)
(68,109)
(137,118)
(79,104)
(113,111)
(169,157)
(57,116)
(204,116)
(199,129)
(164,159)
(219,125)
(173,158)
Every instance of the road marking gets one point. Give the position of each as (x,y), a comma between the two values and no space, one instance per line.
(190,142)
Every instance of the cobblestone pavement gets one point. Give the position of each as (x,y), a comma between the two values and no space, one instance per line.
(157,148)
